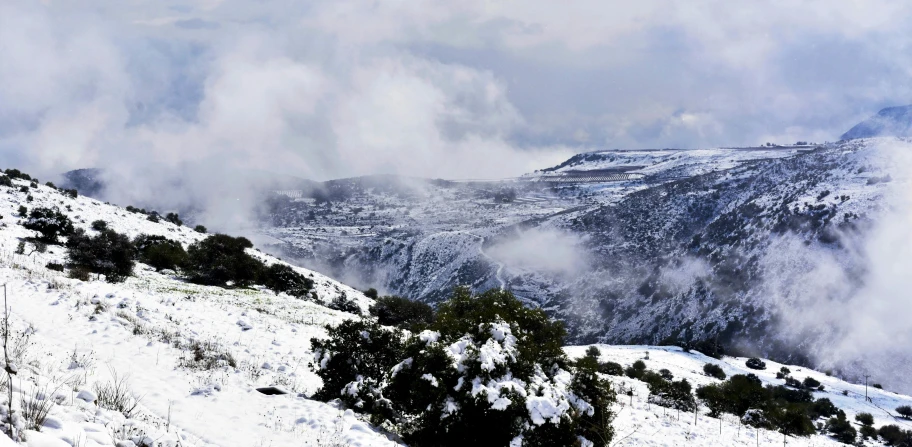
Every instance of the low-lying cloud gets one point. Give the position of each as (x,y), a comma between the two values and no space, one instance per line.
(848,307)
(541,250)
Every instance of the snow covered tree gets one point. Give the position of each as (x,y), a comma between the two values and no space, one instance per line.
(487,371)
(50,224)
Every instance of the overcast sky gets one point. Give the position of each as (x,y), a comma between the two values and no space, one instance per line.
(441,89)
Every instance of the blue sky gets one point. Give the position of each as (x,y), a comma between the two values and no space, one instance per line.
(438,89)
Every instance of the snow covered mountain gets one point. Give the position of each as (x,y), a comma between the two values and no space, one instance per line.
(695,245)
(189,360)
(889,122)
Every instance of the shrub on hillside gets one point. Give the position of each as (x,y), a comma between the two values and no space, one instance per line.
(372,293)
(109,253)
(221,259)
(160,252)
(22,211)
(755,363)
(282,278)
(99,225)
(905,411)
(811,383)
(153,217)
(611,368)
(423,387)
(343,303)
(788,410)
(841,429)
(894,436)
(401,312)
(15,173)
(50,224)
(6,181)
(174,218)
(713,370)
(200,229)
(636,370)
(71,193)
(865,418)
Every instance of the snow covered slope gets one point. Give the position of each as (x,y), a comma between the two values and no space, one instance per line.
(639,423)
(194,354)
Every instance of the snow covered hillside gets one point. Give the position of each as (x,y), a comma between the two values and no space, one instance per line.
(186,360)
(194,355)
(640,423)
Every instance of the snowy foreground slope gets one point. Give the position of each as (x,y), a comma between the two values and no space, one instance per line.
(74,335)
(640,423)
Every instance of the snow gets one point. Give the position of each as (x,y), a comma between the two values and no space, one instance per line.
(140,329)
(640,423)
(80,333)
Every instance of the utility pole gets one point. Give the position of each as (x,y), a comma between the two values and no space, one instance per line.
(867,399)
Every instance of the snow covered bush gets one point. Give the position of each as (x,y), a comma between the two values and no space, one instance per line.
(353,362)
(109,253)
(50,224)
(487,371)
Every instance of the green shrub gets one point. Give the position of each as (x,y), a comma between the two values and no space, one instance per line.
(402,312)
(343,303)
(109,253)
(841,429)
(160,252)
(153,217)
(221,259)
(15,173)
(636,371)
(200,229)
(755,363)
(895,436)
(822,408)
(174,218)
(905,411)
(80,273)
(353,360)
(810,382)
(99,225)
(23,211)
(867,431)
(50,224)
(54,266)
(865,418)
(282,278)
(611,368)
(713,370)
(372,293)
(6,181)
(472,378)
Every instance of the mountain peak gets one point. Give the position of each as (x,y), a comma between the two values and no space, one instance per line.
(889,122)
